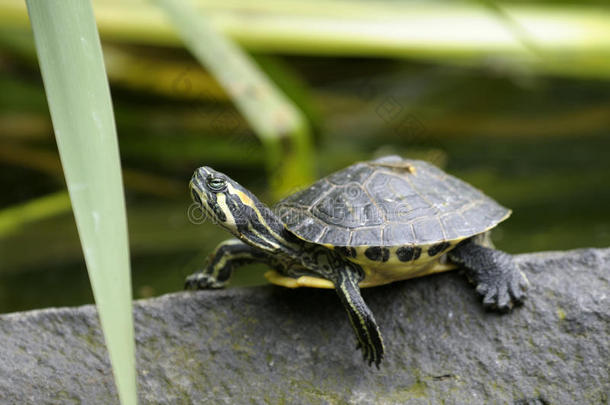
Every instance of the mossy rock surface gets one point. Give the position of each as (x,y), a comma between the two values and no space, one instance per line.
(279,346)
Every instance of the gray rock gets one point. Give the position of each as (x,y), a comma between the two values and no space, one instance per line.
(273,345)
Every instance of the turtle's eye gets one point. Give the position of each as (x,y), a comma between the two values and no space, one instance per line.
(216,183)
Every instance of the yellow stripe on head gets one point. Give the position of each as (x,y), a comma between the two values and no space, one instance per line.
(221,200)
(245,199)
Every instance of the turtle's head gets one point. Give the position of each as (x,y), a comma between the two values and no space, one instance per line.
(235,208)
(221,198)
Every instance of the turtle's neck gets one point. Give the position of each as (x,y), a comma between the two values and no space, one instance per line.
(261,228)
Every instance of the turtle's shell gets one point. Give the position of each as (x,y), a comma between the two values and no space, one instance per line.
(389,202)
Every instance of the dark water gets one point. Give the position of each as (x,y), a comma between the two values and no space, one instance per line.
(557,188)
(541,148)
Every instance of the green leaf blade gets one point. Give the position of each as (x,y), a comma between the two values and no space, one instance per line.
(72,67)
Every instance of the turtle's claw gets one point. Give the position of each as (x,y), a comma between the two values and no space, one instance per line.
(202,281)
(370,353)
(505,291)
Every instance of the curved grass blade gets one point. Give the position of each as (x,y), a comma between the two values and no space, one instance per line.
(274,118)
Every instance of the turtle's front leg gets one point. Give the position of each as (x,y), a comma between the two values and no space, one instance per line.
(360,316)
(221,262)
(495,274)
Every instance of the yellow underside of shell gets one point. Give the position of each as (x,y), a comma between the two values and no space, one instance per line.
(374,277)
(384,272)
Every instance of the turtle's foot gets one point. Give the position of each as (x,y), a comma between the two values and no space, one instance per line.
(202,281)
(502,290)
(360,317)
(495,274)
(372,352)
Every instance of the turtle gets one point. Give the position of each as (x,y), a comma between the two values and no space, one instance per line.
(370,224)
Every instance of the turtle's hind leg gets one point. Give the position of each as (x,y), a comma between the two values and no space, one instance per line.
(495,274)
(221,262)
(360,316)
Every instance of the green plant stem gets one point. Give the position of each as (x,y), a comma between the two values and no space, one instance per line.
(278,123)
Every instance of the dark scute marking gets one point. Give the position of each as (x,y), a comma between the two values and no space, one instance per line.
(377,254)
(405,253)
(373,253)
(436,249)
(347,251)
(416,253)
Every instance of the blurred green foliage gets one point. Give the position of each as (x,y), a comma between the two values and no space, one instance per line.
(535,136)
